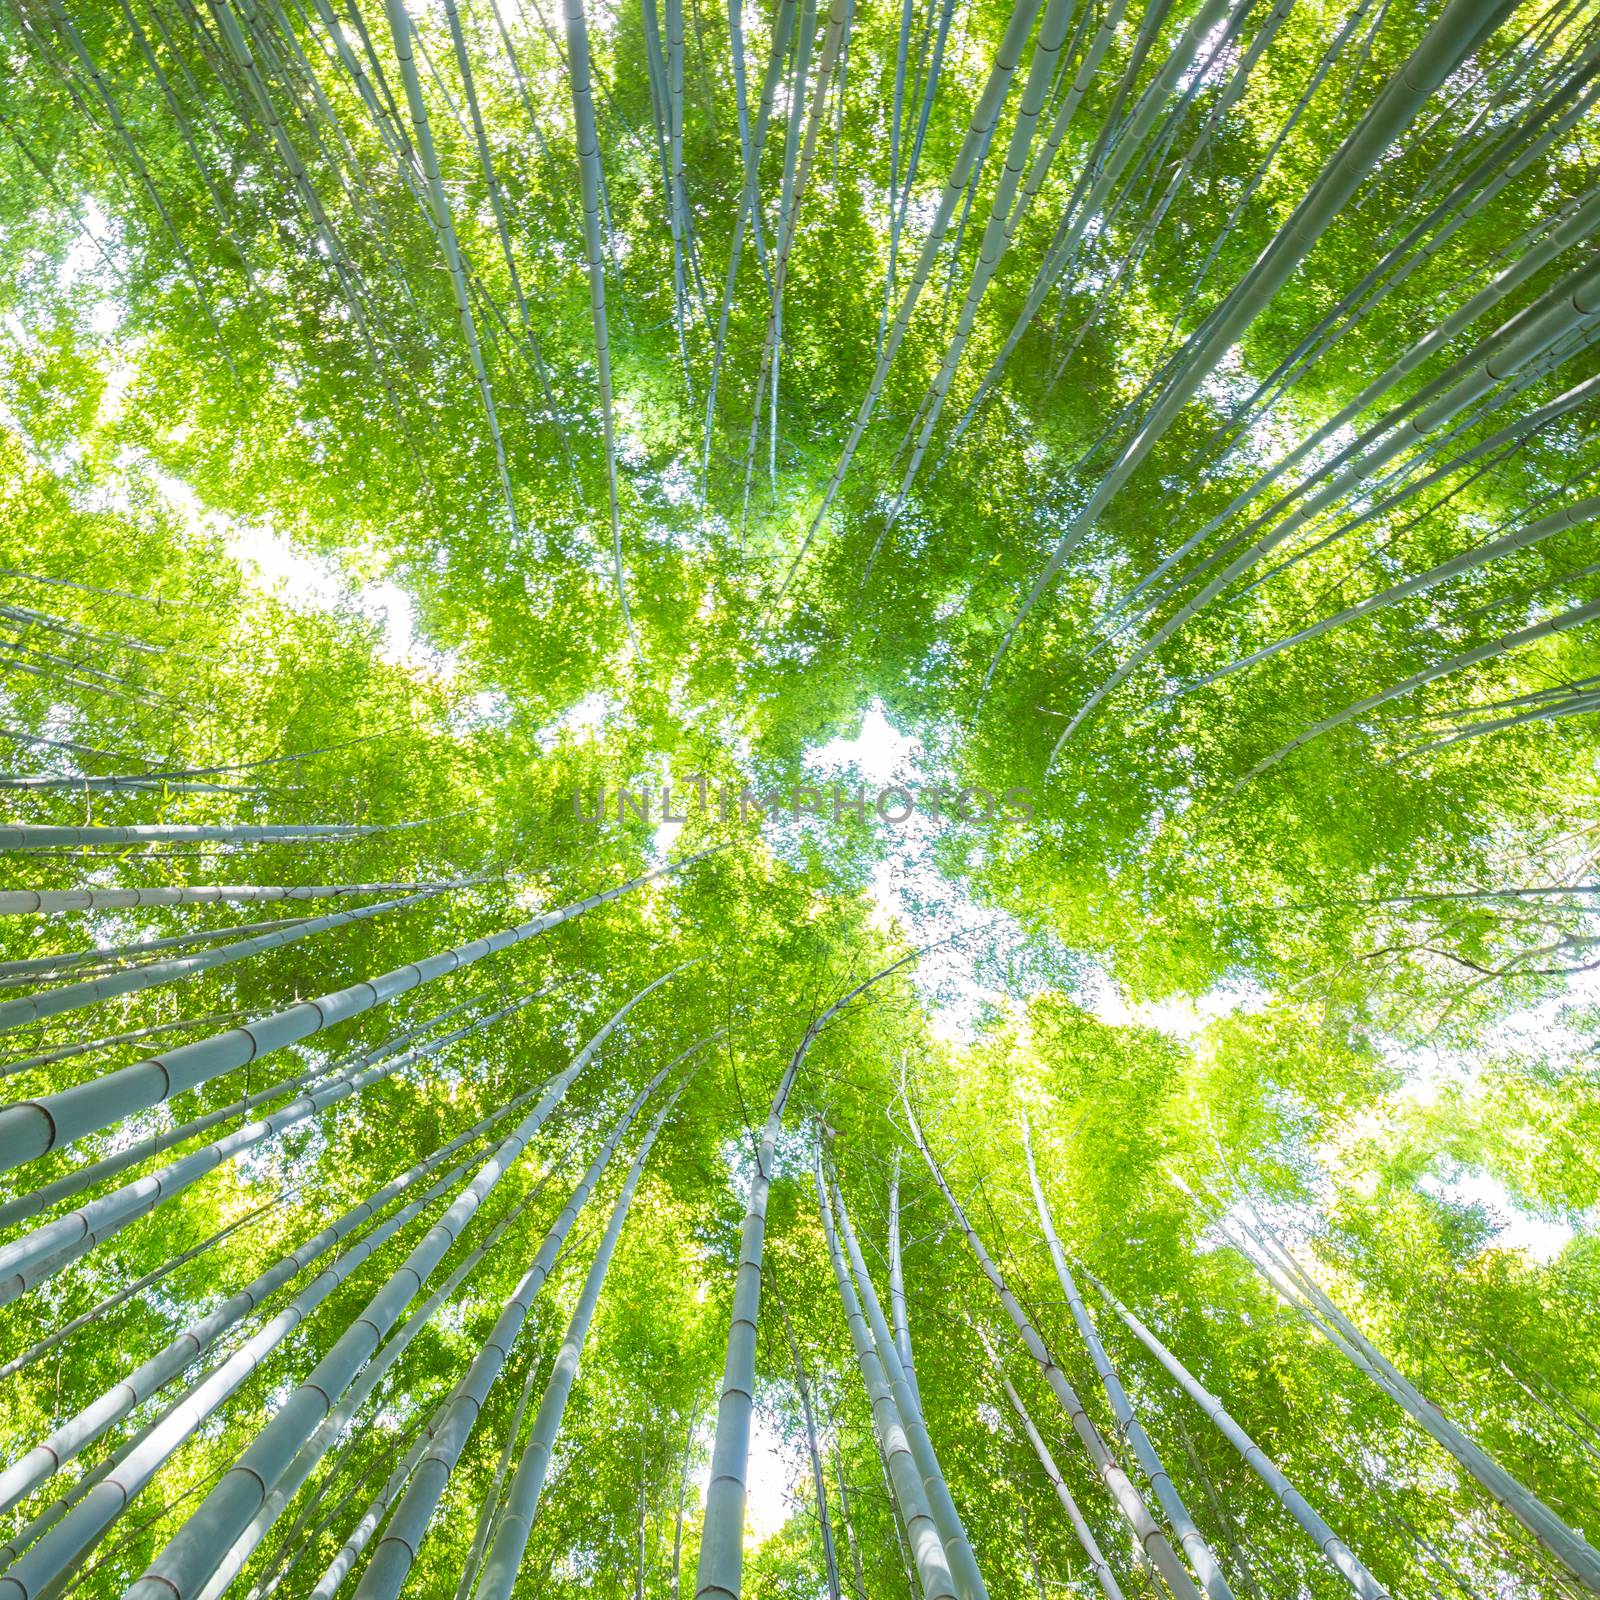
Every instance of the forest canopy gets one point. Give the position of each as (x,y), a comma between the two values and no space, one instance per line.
(799,800)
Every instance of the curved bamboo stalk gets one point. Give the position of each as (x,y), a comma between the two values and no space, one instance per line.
(45,1345)
(30,1128)
(160,602)
(934,58)
(1117,1483)
(590,183)
(1453,35)
(106,1215)
(83,678)
(110,639)
(397,1550)
(798,151)
(952,1534)
(741,102)
(106,1501)
(80,671)
(76,746)
(328,1431)
(896,118)
(722,1535)
(677,188)
(905,1484)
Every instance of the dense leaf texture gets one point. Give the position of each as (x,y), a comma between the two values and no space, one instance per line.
(498,1099)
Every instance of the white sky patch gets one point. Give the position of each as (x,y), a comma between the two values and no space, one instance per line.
(587,716)
(1180,1017)
(776,1468)
(881,756)
(277,567)
(1541,1028)
(85,264)
(879,752)
(1541,1239)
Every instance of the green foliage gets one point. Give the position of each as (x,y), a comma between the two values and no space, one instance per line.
(1339,1009)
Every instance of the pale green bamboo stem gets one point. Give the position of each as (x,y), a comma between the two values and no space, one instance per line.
(905,1483)
(522,1499)
(952,1534)
(20,901)
(397,1550)
(1122,1491)
(194,1553)
(105,1215)
(1201,1557)
(722,1536)
(1085,1535)
(1337,1552)
(32,1127)
(311,1454)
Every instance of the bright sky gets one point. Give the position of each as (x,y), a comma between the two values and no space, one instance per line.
(881,754)
(775,1481)
(314,580)
(1538,1237)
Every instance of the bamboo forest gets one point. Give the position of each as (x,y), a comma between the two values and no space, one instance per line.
(800,799)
